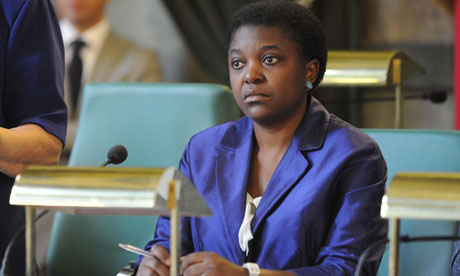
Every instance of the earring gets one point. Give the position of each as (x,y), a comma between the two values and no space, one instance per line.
(309,85)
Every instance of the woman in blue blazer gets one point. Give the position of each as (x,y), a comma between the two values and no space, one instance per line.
(294,190)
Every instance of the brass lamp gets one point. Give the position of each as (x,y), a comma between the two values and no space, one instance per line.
(372,69)
(103,191)
(417,195)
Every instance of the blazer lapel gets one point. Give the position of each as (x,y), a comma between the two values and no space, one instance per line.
(309,136)
(231,173)
(291,169)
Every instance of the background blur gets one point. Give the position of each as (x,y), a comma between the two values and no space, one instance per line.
(423,29)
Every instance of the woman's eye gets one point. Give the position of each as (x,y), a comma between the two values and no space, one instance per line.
(270,60)
(237,64)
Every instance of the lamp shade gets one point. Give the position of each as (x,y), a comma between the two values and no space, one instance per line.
(367,68)
(423,195)
(115,191)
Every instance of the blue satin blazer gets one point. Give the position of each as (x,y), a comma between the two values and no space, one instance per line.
(319,212)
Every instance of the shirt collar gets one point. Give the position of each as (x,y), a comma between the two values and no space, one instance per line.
(93,37)
(310,134)
(313,128)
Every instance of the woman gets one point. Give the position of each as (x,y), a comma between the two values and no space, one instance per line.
(320,179)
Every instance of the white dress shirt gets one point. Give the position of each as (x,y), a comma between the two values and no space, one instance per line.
(93,37)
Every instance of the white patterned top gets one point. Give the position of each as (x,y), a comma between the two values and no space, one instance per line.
(245,233)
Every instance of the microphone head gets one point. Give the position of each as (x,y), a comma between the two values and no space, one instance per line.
(438,96)
(117,154)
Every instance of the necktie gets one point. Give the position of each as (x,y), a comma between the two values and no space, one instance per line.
(75,70)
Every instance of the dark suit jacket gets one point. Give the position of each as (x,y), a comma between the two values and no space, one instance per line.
(321,208)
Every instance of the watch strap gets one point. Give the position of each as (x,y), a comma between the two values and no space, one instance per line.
(253,269)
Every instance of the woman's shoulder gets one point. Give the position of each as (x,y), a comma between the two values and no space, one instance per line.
(347,148)
(212,134)
(225,135)
(345,135)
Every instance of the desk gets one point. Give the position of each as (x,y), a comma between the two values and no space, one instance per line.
(417,195)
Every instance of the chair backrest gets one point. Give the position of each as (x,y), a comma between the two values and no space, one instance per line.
(154,122)
(421,150)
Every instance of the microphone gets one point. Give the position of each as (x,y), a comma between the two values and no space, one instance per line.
(435,96)
(116,155)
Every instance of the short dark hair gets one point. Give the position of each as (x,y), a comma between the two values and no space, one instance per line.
(300,24)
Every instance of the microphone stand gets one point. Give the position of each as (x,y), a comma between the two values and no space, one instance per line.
(6,257)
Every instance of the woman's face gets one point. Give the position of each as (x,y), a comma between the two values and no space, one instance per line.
(267,74)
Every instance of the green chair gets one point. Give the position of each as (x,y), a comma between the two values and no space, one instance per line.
(154,122)
(421,150)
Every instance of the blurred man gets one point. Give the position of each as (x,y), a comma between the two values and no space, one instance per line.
(33,114)
(94,53)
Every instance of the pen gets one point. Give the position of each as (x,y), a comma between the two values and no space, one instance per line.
(136,250)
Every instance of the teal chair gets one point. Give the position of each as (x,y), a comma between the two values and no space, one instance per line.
(421,150)
(154,122)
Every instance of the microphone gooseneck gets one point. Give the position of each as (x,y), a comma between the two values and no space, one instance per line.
(116,155)
(436,97)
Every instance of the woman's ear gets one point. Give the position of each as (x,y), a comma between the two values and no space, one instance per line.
(311,70)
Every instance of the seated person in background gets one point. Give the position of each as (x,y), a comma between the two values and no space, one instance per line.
(293,189)
(94,53)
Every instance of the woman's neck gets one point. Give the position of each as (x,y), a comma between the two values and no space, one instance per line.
(270,145)
(271,142)
(277,136)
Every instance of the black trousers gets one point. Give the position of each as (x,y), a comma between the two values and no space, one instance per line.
(12,218)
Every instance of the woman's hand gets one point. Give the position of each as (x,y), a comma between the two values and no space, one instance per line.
(209,264)
(158,266)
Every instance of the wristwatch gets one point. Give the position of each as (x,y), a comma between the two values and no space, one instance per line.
(253,269)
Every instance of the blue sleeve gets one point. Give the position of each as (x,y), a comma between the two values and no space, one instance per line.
(33,68)
(358,223)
